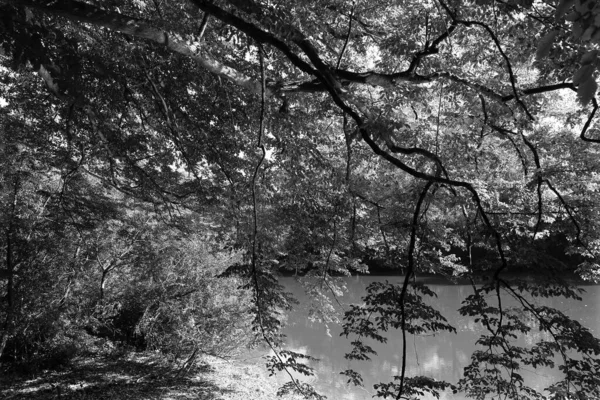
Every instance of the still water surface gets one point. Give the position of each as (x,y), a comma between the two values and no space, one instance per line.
(442,356)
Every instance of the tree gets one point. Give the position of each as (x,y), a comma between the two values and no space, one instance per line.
(453,137)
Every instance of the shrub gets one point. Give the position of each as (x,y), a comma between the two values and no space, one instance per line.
(209,317)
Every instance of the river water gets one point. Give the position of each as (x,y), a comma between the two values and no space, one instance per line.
(442,356)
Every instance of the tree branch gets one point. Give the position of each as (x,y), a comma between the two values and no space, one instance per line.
(588,122)
(500,50)
(82,12)
(337,66)
(409,273)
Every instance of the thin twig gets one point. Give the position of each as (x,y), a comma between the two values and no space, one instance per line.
(337,65)
(203,26)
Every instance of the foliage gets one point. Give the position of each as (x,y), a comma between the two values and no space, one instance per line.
(389,306)
(162,162)
(192,309)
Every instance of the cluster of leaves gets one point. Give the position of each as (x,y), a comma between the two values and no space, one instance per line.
(386,307)
(414,387)
(383,311)
(269,300)
(289,359)
(585,18)
(496,366)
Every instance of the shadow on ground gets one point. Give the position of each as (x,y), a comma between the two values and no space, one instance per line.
(134,376)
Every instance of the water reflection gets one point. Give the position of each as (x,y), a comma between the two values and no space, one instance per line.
(442,356)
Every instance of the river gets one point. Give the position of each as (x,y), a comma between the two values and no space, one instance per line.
(442,356)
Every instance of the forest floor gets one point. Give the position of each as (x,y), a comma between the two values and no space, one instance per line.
(140,376)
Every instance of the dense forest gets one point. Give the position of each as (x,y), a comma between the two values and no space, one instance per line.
(163,163)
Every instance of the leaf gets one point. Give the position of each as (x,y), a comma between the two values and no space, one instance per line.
(563,7)
(589,57)
(545,45)
(589,32)
(587,90)
(577,30)
(45,74)
(583,74)
(353,377)
(572,16)
(583,6)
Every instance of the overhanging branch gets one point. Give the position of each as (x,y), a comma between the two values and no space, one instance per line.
(82,12)
(77,11)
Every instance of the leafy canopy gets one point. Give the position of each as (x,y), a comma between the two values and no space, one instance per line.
(452,137)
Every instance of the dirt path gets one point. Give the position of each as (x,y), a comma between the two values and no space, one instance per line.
(143,376)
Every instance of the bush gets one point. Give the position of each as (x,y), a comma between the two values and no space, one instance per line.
(117,319)
(176,304)
(209,317)
(47,345)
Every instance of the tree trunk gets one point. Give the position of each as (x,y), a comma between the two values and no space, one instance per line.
(10,272)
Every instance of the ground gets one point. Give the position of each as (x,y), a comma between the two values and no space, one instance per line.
(147,375)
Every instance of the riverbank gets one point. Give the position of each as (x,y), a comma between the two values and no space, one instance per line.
(142,376)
